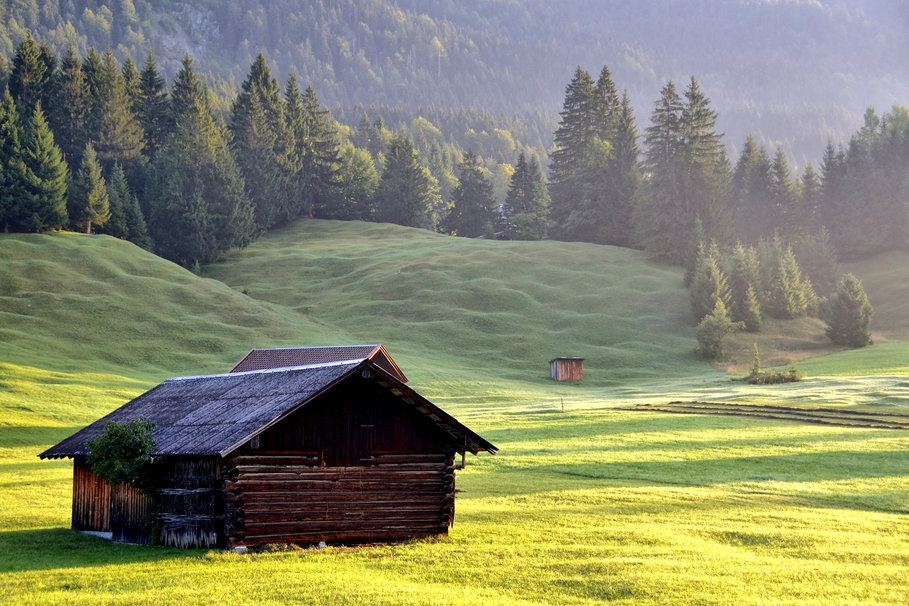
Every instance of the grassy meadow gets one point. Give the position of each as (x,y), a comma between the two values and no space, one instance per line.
(587,502)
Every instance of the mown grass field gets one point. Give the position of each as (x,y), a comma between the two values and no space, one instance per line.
(587,502)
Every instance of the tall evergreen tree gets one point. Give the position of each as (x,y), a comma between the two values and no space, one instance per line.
(750,196)
(472,201)
(120,139)
(44,205)
(31,75)
(153,108)
(99,87)
(67,113)
(187,91)
(405,194)
(88,203)
(709,284)
(526,209)
(625,177)
(688,175)
(257,126)
(783,196)
(356,185)
(320,155)
(119,198)
(608,107)
(13,172)
(577,127)
(199,207)
(848,314)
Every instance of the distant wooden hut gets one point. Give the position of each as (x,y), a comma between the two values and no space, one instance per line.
(336,452)
(284,357)
(566,369)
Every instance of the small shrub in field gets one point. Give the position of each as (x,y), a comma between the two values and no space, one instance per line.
(122,453)
(713,329)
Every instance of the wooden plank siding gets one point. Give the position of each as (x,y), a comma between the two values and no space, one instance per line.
(190,502)
(567,369)
(91,499)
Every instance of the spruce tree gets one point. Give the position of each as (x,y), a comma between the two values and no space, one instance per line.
(405,195)
(709,284)
(119,198)
(258,139)
(472,201)
(88,203)
(30,76)
(712,331)
(783,196)
(44,203)
(750,197)
(187,91)
(356,185)
(744,281)
(525,212)
(98,87)
(848,314)
(199,207)
(13,172)
(320,155)
(577,127)
(120,139)
(67,114)
(153,107)
(688,177)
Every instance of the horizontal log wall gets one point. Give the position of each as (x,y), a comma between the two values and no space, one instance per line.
(289,499)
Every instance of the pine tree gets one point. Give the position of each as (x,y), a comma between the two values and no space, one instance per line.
(709,284)
(608,107)
(199,207)
(744,281)
(577,127)
(688,175)
(750,197)
(848,314)
(13,172)
(119,198)
(472,201)
(30,76)
(88,203)
(356,185)
(153,107)
(783,196)
(67,113)
(120,139)
(258,139)
(405,195)
(99,89)
(320,155)
(187,91)
(129,73)
(525,212)
(625,176)
(44,203)
(787,294)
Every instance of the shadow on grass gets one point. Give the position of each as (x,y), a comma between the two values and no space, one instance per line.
(53,548)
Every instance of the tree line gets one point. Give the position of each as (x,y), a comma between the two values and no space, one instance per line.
(205,175)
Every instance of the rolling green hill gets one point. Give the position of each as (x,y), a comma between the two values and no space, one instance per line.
(589,503)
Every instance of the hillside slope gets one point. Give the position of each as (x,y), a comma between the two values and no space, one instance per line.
(483,310)
(75,303)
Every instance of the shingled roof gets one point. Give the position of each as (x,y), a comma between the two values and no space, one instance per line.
(283,357)
(216,414)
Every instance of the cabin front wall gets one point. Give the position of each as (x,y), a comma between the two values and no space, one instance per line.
(91,499)
(356,465)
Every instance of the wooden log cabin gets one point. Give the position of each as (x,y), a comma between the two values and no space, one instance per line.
(283,357)
(341,452)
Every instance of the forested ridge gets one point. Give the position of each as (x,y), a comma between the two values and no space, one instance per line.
(793,72)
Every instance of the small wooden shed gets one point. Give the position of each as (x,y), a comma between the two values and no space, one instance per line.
(566,369)
(335,452)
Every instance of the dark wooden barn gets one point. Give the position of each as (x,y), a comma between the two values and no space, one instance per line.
(566,369)
(338,452)
(283,357)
